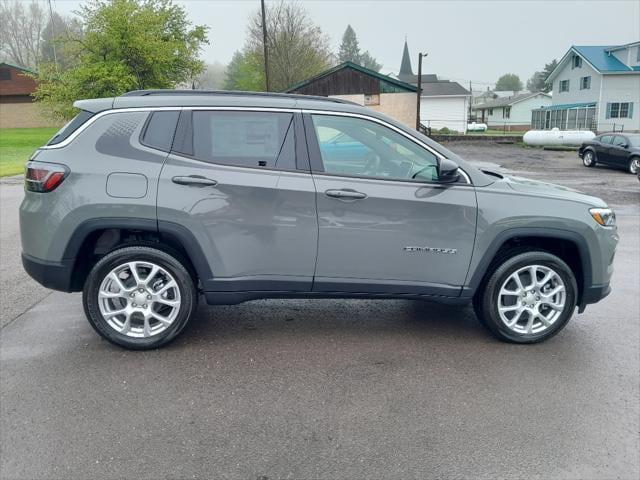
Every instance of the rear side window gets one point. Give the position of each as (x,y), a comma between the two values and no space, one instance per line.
(75,123)
(158,133)
(606,138)
(246,139)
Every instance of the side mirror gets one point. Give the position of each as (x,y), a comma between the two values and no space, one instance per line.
(448,171)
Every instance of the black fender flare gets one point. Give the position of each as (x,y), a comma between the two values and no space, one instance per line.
(519,232)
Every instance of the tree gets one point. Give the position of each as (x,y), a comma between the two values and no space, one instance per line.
(508,82)
(212,78)
(297,50)
(58,33)
(21,32)
(126,45)
(538,82)
(350,51)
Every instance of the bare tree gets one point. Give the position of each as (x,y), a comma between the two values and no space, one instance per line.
(297,47)
(21,32)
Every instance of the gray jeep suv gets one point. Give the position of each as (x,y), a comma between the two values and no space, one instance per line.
(146,201)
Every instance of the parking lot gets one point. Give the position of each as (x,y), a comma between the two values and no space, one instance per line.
(328,388)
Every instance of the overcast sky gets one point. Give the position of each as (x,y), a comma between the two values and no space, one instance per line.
(467,40)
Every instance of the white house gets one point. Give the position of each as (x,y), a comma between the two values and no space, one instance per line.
(596,88)
(511,113)
(442,103)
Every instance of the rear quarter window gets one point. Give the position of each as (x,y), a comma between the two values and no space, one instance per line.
(159,131)
(74,124)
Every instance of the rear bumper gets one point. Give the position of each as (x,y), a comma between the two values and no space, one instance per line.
(53,275)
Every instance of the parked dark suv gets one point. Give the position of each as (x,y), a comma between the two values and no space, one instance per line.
(146,201)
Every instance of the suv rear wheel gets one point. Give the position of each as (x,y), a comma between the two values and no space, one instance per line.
(139,297)
(528,298)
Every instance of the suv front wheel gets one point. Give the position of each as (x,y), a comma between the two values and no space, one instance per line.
(528,298)
(139,297)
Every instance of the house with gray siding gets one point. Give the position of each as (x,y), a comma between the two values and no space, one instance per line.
(595,88)
(512,112)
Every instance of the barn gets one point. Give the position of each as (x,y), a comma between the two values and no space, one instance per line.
(361,85)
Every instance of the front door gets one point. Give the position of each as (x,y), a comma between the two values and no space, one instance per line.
(385,226)
(618,153)
(235,180)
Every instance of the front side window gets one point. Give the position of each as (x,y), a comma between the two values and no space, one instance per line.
(619,141)
(245,139)
(355,146)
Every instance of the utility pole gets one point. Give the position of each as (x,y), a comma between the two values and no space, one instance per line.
(420,55)
(53,36)
(266,50)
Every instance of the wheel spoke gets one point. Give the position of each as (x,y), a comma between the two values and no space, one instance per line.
(529,326)
(161,318)
(510,308)
(516,278)
(166,301)
(543,319)
(154,271)
(513,293)
(169,285)
(550,274)
(118,282)
(114,313)
(146,329)
(533,273)
(133,267)
(515,319)
(554,292)
(106,294)
(127,325)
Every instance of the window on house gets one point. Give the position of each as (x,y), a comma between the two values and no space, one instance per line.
(620,110)
(5,74)
(564,85)
(373,99)
(491,111)
(507,112)
(585,83)
(577,61)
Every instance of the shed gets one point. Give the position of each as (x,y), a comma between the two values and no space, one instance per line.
(364,86)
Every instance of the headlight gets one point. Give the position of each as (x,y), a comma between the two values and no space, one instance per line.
(604,216)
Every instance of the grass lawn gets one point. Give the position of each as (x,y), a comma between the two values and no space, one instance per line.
(17,145)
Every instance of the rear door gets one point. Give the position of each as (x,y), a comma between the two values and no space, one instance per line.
(239,181)
(385,226)
(602,148)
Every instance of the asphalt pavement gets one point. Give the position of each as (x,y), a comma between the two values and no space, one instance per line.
(327,388)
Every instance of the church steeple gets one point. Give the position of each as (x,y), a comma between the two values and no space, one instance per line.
(405,66)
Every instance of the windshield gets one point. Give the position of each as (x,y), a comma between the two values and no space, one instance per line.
(70,127)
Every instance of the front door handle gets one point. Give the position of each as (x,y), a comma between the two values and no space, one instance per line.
(197,180)
(345,193)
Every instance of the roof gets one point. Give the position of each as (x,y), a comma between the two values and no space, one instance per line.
(405,65)
(444,88)
(600,58)
(360,68)
(626,45)
(569,105)
(506,101)
(18,67)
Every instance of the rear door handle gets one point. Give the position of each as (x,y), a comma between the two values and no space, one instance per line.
(345,193)
(197,180)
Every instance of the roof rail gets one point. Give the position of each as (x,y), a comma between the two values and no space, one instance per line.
(169,92)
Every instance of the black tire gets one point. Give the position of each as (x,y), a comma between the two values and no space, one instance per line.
(185,285)
(634,166)
(486,301)
(589,158)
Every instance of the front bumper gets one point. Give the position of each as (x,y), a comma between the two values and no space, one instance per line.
(53,275)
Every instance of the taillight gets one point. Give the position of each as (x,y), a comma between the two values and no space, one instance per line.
(44,177)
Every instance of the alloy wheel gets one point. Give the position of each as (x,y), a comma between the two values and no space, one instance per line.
(139,299)
(531,299)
